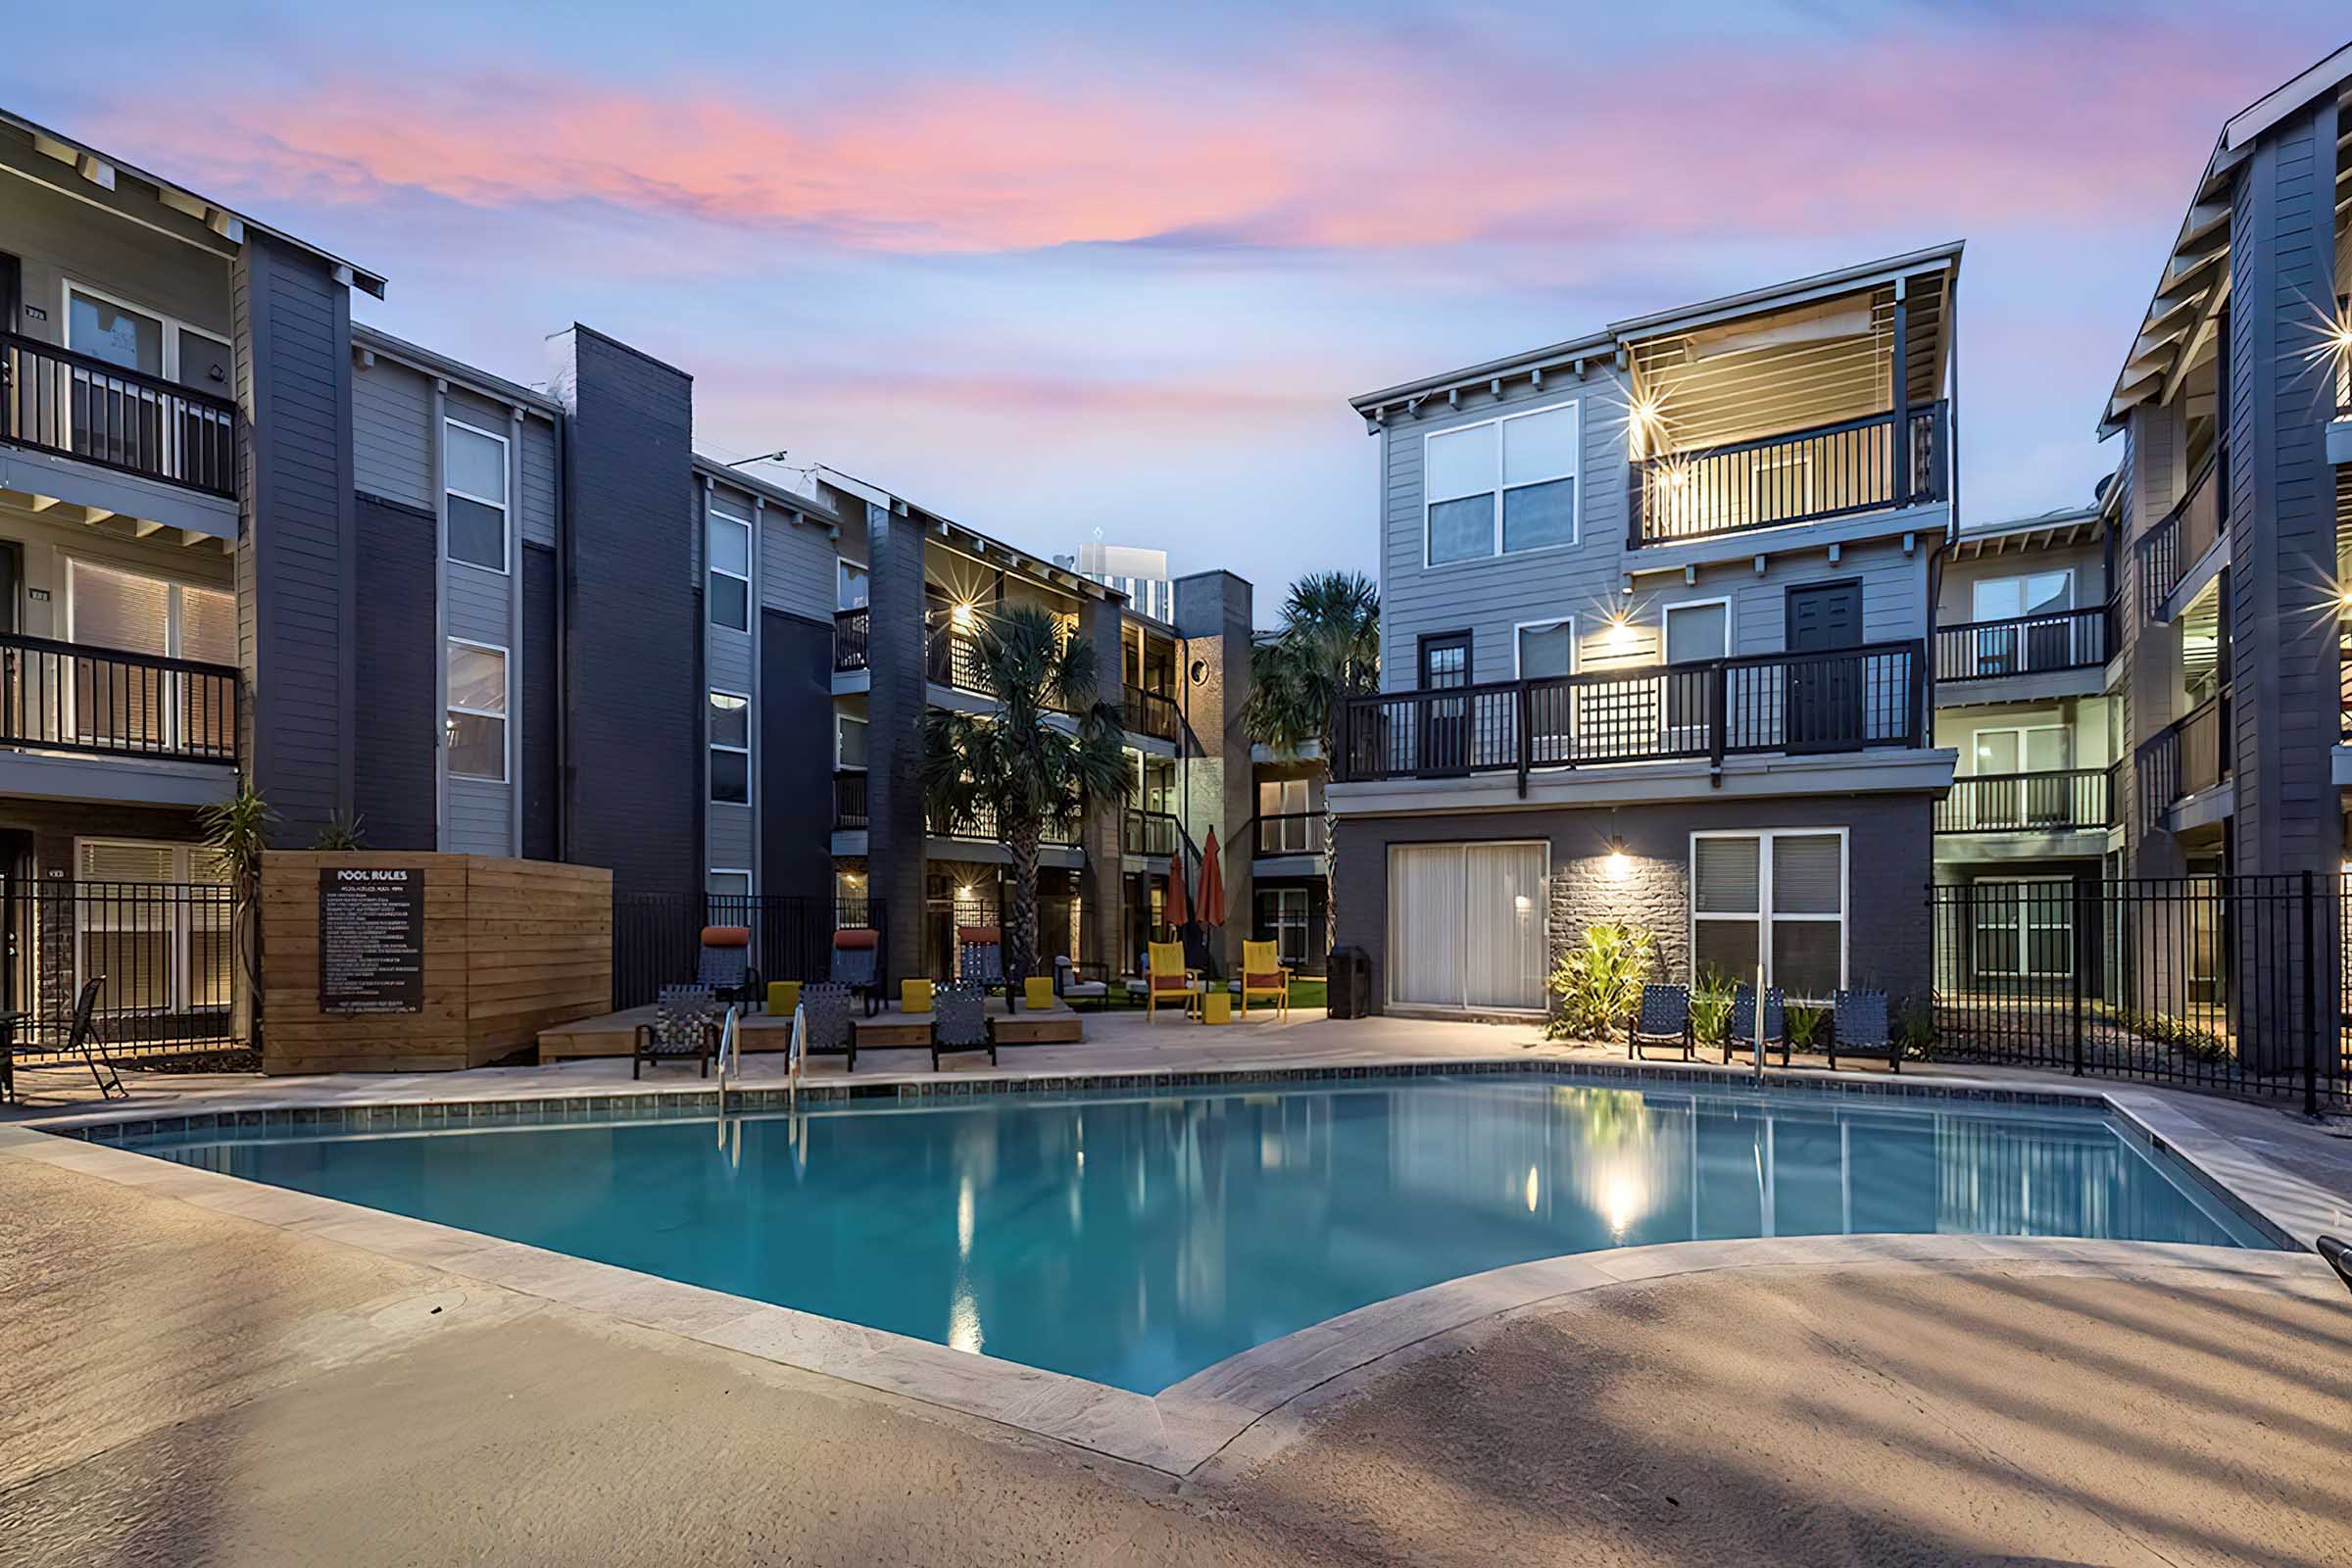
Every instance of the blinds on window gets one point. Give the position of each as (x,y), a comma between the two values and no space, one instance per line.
(1728,876)
(1805,874)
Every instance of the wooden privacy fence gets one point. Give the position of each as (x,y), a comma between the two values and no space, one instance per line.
(412,961)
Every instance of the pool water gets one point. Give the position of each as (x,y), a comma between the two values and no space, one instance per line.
(1137,1239)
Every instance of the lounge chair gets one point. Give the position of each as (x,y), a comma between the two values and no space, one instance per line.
(980,956)
(856,954)
(82,1041)
(1741,1036)
(1663,1019)
(959,1021)
(725,964)
(1858,1027)
(825,1027)
(1072,985)
(685,1025)
(1263,976)
(1167,980)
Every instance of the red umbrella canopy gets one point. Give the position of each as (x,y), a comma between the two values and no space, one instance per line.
(1176,911)
(1212,884)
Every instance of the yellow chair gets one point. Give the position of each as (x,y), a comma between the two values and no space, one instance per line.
(1263,976)
(783,997)
(914,995)
(1037,993)
(1166,979)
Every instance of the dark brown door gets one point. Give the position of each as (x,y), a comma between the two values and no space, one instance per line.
(1824,680)
(1444,720)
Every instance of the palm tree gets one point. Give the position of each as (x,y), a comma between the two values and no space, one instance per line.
(1326,651)
(1015,768)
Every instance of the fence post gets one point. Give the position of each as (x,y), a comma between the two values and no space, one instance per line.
(2080,968)
(2311,1004)
(1523,720)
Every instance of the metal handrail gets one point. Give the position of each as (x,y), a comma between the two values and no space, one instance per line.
(79,407)
(106,702)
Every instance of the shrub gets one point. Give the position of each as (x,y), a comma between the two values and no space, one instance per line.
(1598,985)
(1807,1025)
(1712,1006)
(1914,1028)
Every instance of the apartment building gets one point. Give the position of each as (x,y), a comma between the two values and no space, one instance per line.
(1290,856)
(1141,573)
(1656,603)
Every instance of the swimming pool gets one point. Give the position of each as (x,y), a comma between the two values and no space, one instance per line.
(1134,1239)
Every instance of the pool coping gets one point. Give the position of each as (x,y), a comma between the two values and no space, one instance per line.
(1260,1393)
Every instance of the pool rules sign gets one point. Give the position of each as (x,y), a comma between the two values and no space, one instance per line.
(371,940)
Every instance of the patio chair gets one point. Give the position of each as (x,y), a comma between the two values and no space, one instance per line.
(685,1025)
(1263,975)
(825,1027)
(980,956)
(856,957)
(959,1021)
(725,964)
(81,1040)
(1663,1019)
(1166,979)
(1075,981)
(1741,1035)
(1858,1026)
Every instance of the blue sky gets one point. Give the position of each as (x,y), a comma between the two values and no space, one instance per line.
(1051,268)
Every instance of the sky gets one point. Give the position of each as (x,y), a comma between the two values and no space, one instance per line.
(1053,269)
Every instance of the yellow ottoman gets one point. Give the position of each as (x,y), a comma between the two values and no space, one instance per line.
(1216,1005)
(1037,993)
(914,995)
(783,997)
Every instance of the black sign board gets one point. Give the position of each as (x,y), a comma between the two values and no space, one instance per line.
(371,940)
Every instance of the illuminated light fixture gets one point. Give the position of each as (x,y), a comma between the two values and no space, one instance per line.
(1618,864)
(1621,628)
(961,614)
(2343,600)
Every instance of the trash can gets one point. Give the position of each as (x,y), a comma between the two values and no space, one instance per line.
(1350,987)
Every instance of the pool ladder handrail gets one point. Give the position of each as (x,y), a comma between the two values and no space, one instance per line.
(730,1049)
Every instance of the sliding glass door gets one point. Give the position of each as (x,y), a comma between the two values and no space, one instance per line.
(1466,925)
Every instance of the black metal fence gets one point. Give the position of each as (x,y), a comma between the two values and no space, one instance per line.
(2023,645)
(2233,983)
(164,952)
(656,937)
(850,633)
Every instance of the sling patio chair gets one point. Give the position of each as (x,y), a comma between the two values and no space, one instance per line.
(825,1026)
(980,956)
(1663,1020)
(725,964)
(1858,1027)
(1264,977)
(81,1041)
(685,1027)
(959,1021)
(1167,980)
(856,959)
(1741,1035)
(1076,981)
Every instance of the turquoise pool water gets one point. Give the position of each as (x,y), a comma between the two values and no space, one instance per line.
(1135,1240)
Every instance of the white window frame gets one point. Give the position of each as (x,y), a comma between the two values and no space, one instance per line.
(174,685)
(1566,623)
(2020,927)
(1672,735)
(842,564)
(1980,583)
(172,326)
(1279,922)
(503,509)
(506,721)
(2024,774)
(1575,514)
(840,753)
(713,515)
(1764,918)
(183,860)
(709,774)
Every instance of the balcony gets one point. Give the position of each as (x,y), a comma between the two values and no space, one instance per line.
(2029,645)
(849,799)
(69,404)
(1808,475)
(2063,802)
(849,638)
(1848,700)
(1151,713)
(2187,756)
(2182,536)
(96,701)
(953,661)
(1157,834)
(1282,833)
(981,827)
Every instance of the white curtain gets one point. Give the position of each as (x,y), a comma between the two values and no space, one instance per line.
(1425,924)
(1466,924)
(1504,918)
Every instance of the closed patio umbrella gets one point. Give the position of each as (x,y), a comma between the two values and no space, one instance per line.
(1177,912)
(1212,883)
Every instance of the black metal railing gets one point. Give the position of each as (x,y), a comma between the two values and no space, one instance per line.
(1293,833)
(69,697)
(1153,833)
(2013,802)
(2230,983)
(54,400)
(849,798)
(2189,754)
(167,951)
(656,937)
(2179,539)
(953,660)
(1828,470)
(1150,714)
(980,825)
(2027,645)
(849,638)
(1842,700)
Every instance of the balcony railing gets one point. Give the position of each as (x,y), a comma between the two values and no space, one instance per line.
(1831,470)
(1153,833)
(1151,713)
(2181,538)
(849,638)
(953,660)
(1842,700)
(849,798)
(2188,755)
(2026,802)
(1293,833)
(54,400)
(2029,645)
(66,697)
(981,826)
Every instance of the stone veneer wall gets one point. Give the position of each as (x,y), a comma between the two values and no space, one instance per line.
(1651,894)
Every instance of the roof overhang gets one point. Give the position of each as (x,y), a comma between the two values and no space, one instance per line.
(2055,530)
(970,540)
(374,342)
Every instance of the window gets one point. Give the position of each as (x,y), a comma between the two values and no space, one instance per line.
(2038,593)
(1288,822)
(1546,649)
(475,477)
(730,749)
(727,534)
(2025,927)
(1467,924)
(849,741)
(1697,630)
(115,333)
(850,588)
(475,730)
(132,614)
(1282,916)
(2049,644)
(1775,898)
(155,920)
(728,897)
(1506,485)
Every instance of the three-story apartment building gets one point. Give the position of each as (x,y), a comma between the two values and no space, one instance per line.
(1656,605)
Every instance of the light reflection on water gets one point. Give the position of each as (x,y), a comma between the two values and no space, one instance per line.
(1136,1240)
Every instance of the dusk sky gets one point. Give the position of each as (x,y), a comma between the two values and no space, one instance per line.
(1049,269)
